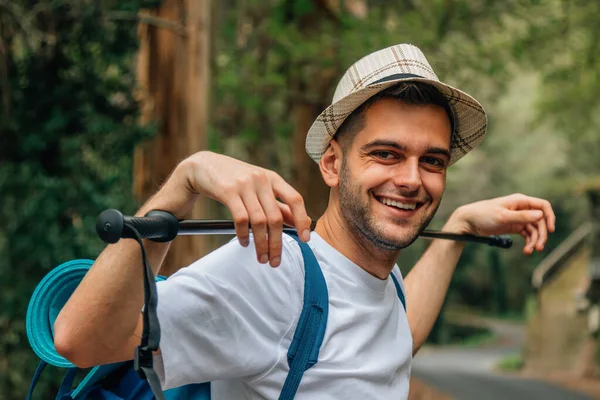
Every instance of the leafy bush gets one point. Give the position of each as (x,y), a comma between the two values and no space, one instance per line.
(68,131)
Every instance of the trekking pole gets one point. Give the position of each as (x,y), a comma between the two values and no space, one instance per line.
(161,226)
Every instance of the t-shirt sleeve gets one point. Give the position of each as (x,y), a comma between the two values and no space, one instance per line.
(225,316)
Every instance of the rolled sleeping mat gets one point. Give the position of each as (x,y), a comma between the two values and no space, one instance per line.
(48,298)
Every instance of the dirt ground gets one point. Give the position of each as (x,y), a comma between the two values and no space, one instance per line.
(588,386)
(420,391)
(510,338)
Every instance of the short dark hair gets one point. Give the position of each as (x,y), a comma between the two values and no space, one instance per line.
(416,93)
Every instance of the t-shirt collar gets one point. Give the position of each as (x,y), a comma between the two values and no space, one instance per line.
(347,267)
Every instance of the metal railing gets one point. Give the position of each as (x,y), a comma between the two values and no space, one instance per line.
(558,257)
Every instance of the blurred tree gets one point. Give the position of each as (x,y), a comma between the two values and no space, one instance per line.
(277,63)
(498,278)
(68,128)
(561,39)
(68,118)
(174,77)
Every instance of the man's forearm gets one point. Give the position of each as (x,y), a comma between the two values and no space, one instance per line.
(105,307)
(427,284)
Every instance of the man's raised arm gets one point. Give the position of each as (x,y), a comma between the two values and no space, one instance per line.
(101,322)
(427,283)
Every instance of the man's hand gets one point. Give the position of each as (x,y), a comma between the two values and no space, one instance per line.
(528,216)
(252,194)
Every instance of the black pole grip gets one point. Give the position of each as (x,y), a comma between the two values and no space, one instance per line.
(159,226)
(504,242)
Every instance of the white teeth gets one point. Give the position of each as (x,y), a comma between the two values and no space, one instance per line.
(394,203)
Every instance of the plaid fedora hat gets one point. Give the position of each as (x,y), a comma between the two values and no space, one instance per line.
(386,68)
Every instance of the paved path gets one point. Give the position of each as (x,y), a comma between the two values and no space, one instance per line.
(467,373)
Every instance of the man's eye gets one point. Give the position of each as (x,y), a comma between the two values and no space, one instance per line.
(433,161)
(386,155)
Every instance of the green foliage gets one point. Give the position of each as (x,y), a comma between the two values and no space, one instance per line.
(479,339)
(68,131)
(561,40)
(461,334)
(512,363)
(532,64)
(68,120)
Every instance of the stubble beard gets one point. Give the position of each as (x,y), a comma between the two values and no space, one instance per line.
(359,216)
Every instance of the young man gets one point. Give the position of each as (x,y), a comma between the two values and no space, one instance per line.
(384,147)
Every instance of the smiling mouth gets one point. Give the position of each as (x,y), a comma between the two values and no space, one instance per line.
(397,204)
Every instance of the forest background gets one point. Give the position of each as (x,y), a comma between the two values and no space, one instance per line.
(77,128)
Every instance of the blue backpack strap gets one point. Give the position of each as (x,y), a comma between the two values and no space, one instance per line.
(67,383)
(399,290)
(308,337)
(36,377)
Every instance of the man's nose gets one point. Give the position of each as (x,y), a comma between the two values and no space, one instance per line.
(408,175)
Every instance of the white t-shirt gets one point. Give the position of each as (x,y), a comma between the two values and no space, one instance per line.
(230,320)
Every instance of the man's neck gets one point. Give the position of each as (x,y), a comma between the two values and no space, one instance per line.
(354,246)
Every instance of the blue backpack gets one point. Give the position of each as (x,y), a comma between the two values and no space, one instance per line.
(136,379)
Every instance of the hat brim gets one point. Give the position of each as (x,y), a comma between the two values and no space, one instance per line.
(470,119)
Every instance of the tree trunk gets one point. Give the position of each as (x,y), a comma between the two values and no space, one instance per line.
(306,175)
(173,74)
(588,363)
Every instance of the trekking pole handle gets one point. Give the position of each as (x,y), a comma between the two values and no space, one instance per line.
(162,226)
(504,241)
(159,226)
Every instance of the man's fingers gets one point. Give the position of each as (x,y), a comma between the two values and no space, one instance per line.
(533,236)
(543,234)
(521,216)
(517,228)
(521,201)
(274,223)
(551,220)
(258,220)
(527,238)
(240,219)
(288,217)
(292,198)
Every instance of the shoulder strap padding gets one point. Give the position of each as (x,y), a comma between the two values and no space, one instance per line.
(399,290)
(315,297)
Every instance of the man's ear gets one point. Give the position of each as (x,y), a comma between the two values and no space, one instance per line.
(331,164)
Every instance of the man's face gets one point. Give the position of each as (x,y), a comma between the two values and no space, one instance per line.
(394,173)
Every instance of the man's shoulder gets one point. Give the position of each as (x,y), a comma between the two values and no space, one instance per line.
(234,264)
(291,253)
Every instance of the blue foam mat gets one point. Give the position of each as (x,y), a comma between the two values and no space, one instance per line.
(45,304)
(47,300)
